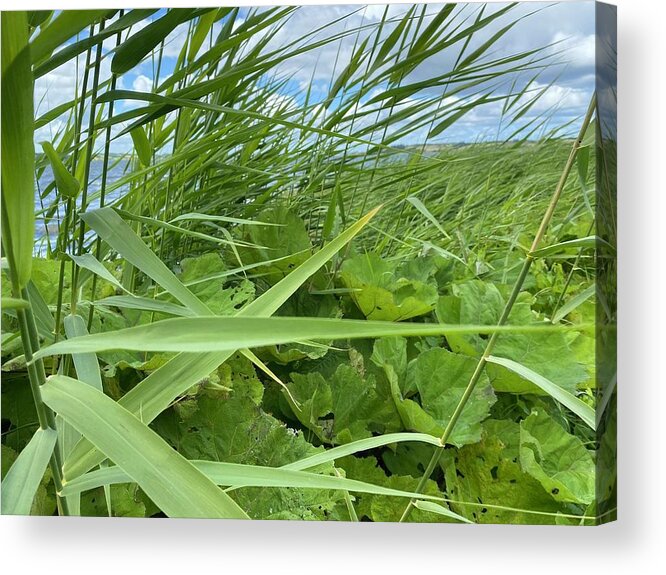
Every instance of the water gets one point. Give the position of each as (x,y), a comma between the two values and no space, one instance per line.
(46,233)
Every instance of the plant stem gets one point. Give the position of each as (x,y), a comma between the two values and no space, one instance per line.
(36,373)
(529,258)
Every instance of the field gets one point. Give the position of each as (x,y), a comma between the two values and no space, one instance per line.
(273,304)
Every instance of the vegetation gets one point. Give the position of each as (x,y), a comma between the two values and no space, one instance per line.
(275,307)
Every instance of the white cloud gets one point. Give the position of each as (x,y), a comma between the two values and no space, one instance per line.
(142,84)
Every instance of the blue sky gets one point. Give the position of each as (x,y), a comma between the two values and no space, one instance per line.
(568,25)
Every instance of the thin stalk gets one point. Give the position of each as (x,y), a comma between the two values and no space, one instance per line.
(88,159)
(529,258)
(64,234)
(36,373)
(102,190)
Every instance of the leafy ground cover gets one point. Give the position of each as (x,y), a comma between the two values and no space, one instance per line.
(273,314)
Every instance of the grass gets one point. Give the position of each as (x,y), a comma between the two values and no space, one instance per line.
(277,309)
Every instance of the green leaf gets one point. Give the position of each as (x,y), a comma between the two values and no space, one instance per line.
(62,28)
(128,501)
(476,301)
(171,481)
(201,275)
(231,427)
(142,145)
(113,229)
(286,240)
(386,291)
(225,334)
(139,45)
(25,475)
(488,475)
(67,184)
(580,408)
(356,404)
(558,460)
(379,507)
(441,378)
(573,303)
(18,150)
(14,303)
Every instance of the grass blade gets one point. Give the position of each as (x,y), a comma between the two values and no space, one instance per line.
(139,45)
(67,184)
(62,28)
(92,264)
(141,145)
(145,304)
(86,364)
(573,303)
(360,445)
(18,150)
(440,510)
(172,482)
(114,231)
(581,409)
(219,334)
(23,478)
(240,475)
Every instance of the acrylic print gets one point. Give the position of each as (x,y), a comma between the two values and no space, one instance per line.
(329,263)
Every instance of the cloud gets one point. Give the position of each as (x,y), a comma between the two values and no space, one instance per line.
(142,84)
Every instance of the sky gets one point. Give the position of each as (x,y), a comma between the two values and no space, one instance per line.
(568,27)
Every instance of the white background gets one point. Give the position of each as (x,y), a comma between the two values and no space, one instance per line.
(634,544)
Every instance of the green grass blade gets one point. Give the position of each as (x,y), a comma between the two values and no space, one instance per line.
(241,475)
(114,231)
(67,184)
(145,304)
(360,445)
(220,334)
(440,510)
(581,409)
(72,50)
(139,45)
(86,364)
(420,206)
(141,145)
(23,478)
(18,150)
(573,303)
(14,303)
(149,398)
(92,264)
(579,243)
(217,218)
(172,482)
(62,28)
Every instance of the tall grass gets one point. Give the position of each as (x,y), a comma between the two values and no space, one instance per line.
(222,155)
